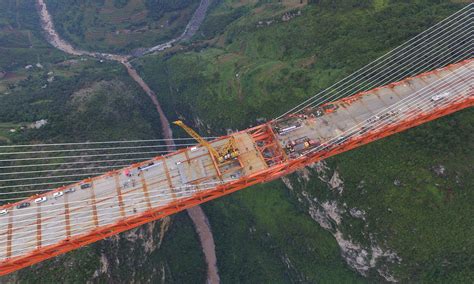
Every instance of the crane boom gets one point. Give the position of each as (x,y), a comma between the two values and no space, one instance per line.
(198,138)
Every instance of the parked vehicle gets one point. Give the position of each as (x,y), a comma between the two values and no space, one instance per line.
(441,96)
(41,200)
(3,212)
(148,166)
(23,205)
(70,190)
(58,194)
(86,185)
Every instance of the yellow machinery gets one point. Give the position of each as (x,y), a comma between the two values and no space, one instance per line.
(225,153)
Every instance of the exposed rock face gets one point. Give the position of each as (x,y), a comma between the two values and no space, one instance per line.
(331,215)
(122,258)
(140,242)
(357,213)
(439,170)
(336,182)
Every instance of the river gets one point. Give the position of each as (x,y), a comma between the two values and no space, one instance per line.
(197,215)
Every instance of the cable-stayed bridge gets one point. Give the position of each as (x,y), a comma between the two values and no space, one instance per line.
(427,77)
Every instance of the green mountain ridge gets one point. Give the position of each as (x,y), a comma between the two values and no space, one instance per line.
(388,201)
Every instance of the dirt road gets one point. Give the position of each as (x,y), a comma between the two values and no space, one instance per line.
(197,215)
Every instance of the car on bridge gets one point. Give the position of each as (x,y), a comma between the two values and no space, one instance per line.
(41,200)
(23,205)
(440,96)
(70,190)
(58,194)
(86,186)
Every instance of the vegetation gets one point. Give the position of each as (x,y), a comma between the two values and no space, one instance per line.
(265,68)
(93,101)
(282,243)
(90,101)
(120,25)
(85,99)
(248,63)
(21,41)
(425,218)
(253,69)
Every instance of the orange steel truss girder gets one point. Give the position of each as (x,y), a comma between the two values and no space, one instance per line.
(272,173)
(264,134)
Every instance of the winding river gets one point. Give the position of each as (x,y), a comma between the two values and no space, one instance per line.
(197,215)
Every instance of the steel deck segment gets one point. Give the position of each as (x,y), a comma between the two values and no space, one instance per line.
(119,195)
(95,217)
(67,219)
(145,191)
(396,96)
(38,227)
(9,236)
(248,175)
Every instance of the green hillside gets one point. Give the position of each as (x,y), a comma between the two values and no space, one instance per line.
(120,25)
(399,208)
(258,66)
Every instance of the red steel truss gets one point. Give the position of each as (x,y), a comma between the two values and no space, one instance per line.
(271,152)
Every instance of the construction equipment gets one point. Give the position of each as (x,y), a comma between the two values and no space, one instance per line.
(228,151)
(225,153)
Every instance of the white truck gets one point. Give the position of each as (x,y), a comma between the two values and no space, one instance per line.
(439,97)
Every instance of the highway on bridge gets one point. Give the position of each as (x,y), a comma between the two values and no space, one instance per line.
(76,215)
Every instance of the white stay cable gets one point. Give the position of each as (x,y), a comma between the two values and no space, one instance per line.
(64,170)
(409,101)
(44,183)
(396,69)
(441,60)
(406,101)
(415,97)
(77,163)
(378,61)
(102,220)
(138,195)
(100,142)
(346,79)
(47,183)
(84,156)
(59,176)
(187,144)
(52,177)
(95,149)
(419,65)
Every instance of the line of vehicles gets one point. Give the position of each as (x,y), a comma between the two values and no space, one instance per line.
(43,199)
(294,148)
(300,146)
(59,194)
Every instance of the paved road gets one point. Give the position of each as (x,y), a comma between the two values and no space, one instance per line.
(197,215)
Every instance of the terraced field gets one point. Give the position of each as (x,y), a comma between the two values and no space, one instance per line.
(120,26)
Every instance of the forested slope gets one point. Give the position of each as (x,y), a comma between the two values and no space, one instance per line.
(398,209)
(395,210)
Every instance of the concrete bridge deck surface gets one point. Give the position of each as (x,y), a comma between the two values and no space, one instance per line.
(124,194)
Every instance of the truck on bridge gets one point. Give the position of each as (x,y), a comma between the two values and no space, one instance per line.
(124,199)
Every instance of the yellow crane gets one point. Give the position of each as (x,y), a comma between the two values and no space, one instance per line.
(225,153)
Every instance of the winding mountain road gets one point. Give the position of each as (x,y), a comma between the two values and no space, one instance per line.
(197,215)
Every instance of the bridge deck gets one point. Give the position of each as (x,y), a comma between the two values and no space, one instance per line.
(120,195)
(335,123)
(120,200)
